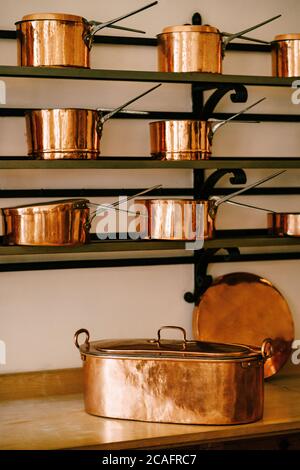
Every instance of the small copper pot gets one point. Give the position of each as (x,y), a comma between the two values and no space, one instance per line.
(173,381)
(56,223)
(286,55)
(282,224)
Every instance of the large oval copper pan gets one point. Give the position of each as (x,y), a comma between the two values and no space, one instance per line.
(243,308)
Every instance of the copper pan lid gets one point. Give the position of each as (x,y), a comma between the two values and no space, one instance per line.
(191,28)
(166,348)
(51,16)
(246,308)
(287,37)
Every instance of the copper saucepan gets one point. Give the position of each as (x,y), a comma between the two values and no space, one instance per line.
(60,40)
(184,219)
(280,224)
(286,55)
(186,139)
(173,381)
(56,223)
(188,48)
(68,133)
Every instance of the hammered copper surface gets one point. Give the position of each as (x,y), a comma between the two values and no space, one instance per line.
(286,55)
(53,40)
(177,219)
(174,391)
(283,224)
(181,140)
(245,308)
(63,133)
(49,224)
(190,49)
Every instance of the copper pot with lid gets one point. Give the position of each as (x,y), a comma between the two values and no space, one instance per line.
(173,381)
(195,48)
(59,39)
(286,55)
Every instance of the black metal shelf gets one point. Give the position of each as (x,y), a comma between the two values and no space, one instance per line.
(142,41)
(140,163)
(206,80)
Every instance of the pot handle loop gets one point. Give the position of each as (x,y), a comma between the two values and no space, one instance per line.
(267,349)
(172,328)
(79,332)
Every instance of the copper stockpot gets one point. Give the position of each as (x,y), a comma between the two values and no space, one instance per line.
(59,39)
(194,48)
(171,381)
(56,223)
(186,139)
(286,55)
(283,224)
(69,133)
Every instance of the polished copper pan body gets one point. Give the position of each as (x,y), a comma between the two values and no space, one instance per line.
(282,224)
(53,40)
(63,133)
(162,381)
(59,223)
(181,140)
(286,55)
(177,219)
(190,49)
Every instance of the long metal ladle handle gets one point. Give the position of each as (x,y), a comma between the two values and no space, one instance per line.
(245,31)
(107,116)
(246,38)
(219,201)
(242,204)
(94,30)
(216,125)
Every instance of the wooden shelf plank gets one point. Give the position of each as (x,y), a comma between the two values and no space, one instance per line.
(208,80)
(137,163)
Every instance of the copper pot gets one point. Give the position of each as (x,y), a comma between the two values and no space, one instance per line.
(190,48)
(283,224)
(286,55)
(68,133)
(169,381)
(186,139)
(184,219)
(60,40)
(56,223)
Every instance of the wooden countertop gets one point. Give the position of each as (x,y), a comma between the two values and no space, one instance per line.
(59,422)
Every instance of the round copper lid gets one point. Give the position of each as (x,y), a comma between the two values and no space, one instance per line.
(286,37)
(191,28)
(47,206)
(246,308)
(161,348)
(51,16)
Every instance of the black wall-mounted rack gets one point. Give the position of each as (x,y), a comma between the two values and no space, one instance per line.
(222,84)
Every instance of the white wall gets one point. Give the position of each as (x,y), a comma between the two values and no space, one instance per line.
(39,311)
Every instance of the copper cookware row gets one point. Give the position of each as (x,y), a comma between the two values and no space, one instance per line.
(186,139)
(61,40)
(56,223)
(188,48)
(286,55)
(184,219)
(69,133)
(171,381)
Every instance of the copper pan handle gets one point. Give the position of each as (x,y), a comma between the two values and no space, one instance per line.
(79,332)
(168,327)
(267,349)
(230,38)
(94,26)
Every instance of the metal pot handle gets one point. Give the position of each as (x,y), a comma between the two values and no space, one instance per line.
(79,332)
(95,26)
(172,328)
(267,348)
